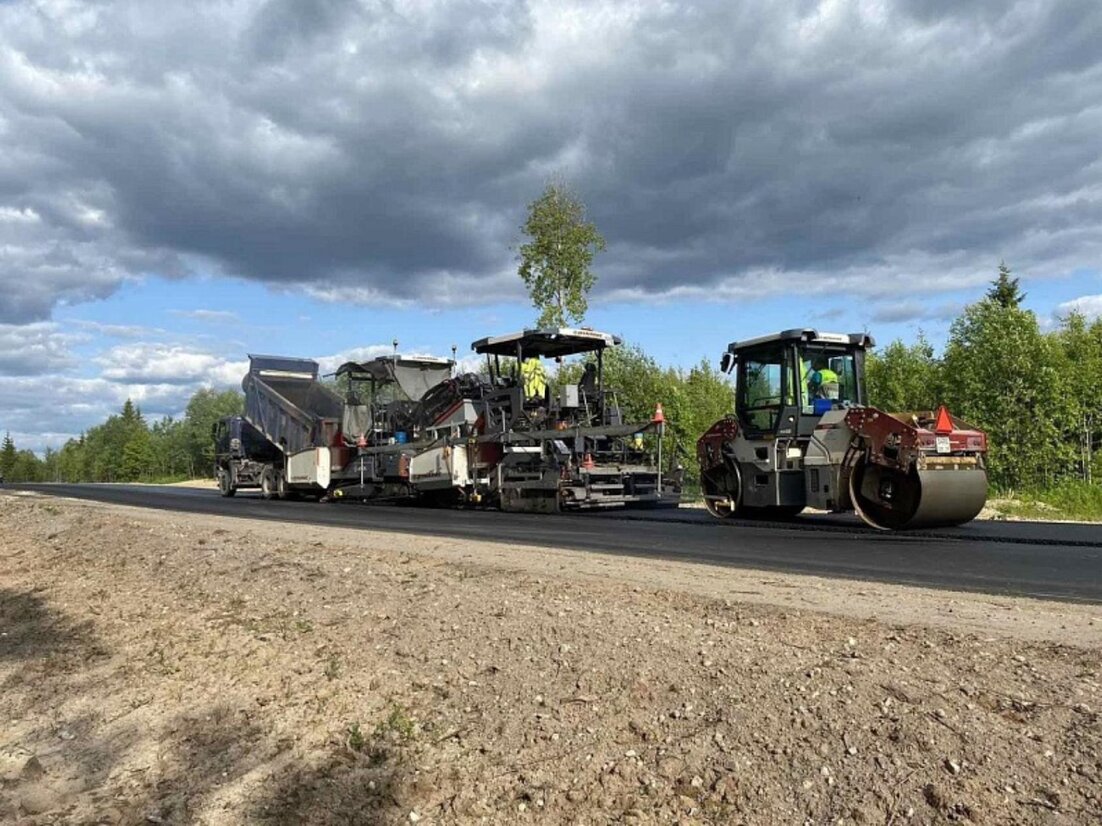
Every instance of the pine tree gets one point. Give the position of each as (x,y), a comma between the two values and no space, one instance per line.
(1004,289)
(138,459)
(7,457)
(132,416)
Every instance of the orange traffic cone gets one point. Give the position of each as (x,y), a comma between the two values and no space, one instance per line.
(659,416)
(588,462)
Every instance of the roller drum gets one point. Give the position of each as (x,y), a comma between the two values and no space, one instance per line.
(890,499)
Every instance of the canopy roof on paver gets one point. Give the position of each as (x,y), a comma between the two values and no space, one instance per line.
(546,342)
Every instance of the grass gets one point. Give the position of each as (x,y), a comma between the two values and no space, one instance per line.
(384,742)
(333,667)
(356,740)
(1071,500)
(397,722)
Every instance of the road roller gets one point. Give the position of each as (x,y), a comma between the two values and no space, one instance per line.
(804,436)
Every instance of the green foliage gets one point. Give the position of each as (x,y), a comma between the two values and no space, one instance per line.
(1002,375)
(1005,290)
(8,458)
(904,377)
(554,264)
(1035,393)
(398,724)
(691,399)
(137,456)
(356,740)
(1069,499)
(333,667)
(1078,352)
(205,408)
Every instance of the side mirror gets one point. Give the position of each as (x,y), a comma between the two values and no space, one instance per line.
(726,362)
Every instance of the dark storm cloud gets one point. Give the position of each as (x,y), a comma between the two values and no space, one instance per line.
(385,150)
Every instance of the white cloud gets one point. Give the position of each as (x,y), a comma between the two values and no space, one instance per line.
(144,363)
(1089,306)
(127,331)
(212,316)
(30,349)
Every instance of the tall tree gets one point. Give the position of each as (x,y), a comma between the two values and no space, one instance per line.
(7,457)
(555,262)
(205,408)
(1000,375)
(138,459)
(1004,289)
(1079,350)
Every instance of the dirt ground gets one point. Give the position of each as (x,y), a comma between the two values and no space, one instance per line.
(165,668)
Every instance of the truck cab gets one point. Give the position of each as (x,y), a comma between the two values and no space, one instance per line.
(240,454)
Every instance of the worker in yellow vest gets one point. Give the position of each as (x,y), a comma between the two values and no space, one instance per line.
(533,377)
(823,382)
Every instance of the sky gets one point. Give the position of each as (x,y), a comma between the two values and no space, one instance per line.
(185,183)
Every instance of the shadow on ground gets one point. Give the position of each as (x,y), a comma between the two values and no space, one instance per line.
(31,629)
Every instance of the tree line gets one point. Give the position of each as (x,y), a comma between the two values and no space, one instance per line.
(127,448)
(1035,392)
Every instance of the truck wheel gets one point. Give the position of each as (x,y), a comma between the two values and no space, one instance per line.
(282,491)
(267,483)
(226,484)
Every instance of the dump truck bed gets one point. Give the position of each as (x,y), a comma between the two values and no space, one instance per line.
(285,401)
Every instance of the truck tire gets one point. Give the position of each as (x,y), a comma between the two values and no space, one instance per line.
(268,483)
(282,490)
(226,481)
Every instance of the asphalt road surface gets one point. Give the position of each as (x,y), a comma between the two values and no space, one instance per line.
(1045,560)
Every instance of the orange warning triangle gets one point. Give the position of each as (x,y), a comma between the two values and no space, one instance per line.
(944,422)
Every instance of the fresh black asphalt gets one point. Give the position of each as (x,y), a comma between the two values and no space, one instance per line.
(1044,560)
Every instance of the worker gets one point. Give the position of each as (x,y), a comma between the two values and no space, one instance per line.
(535,380)
(823,382)
(588,384)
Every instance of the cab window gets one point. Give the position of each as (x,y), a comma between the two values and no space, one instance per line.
(762,390)
(827,374)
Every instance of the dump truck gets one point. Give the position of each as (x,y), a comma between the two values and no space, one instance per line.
(803,435)
(300,436)
(545,445)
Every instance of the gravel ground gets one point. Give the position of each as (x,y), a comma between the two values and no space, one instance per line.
(160,668)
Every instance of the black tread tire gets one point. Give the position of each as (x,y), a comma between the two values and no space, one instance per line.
(281,489)
(267,483)
(226,485)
